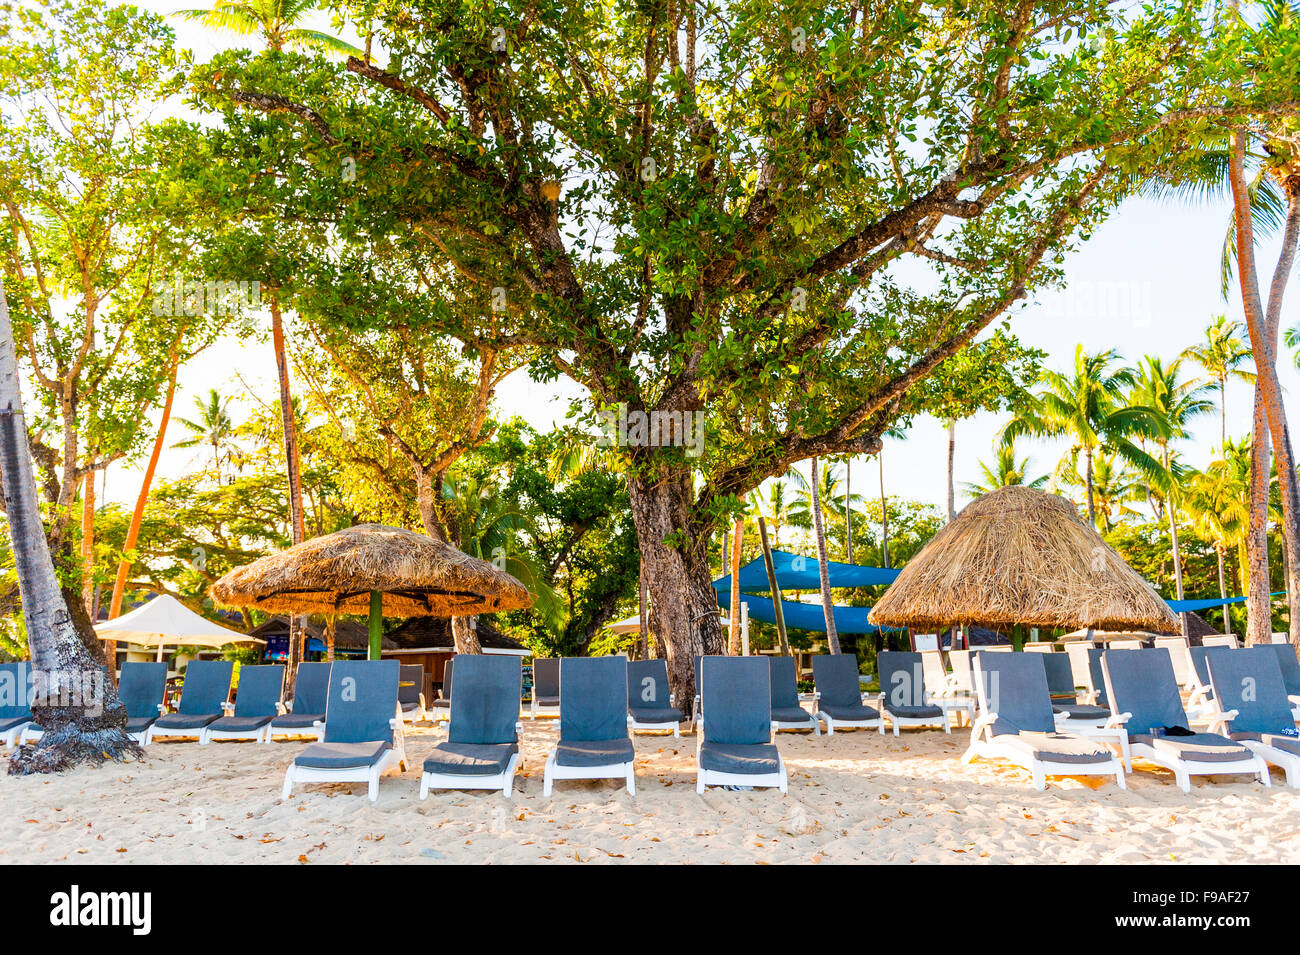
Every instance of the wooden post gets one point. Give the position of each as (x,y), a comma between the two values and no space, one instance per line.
(777,612)
(376,624)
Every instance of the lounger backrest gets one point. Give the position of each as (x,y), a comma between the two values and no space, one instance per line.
(902,677)
(1039,646)
(141,687)
(410,683)
(16,680)
(932,665)
(206,687)
(487,707)
(647,684)
(1097,676)
(785,683)
(260,689)
(1221,640)
(445,692)
(1124,645)
(546,676)
(1200,667)
(593,698)
(1250,682)
(311,689)
(962,671)
(1014,687)
(836,677)
(1286,660)
(362,701)
(1060,676)
(1177,648)
(1142,684)
(925,641)
(1281,638)
(737,692)
(1077,653)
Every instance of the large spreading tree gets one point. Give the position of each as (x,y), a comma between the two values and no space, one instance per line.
(782,217)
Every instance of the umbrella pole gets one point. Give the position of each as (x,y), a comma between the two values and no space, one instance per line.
(376,624)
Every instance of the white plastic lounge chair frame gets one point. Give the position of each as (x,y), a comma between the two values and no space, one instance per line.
(536,709)
(984,745)
(876,723)
(617,677)
(477,680)
(260,735)
(943,690)
(365,774)
(673,726)
(927,699)
(1183,769)
(1268,691)
(712,777)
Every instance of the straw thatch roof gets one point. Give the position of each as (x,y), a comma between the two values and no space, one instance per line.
(335,573)
(1021,556)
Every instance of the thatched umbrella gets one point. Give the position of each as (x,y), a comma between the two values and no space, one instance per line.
(1021,556)
(372,569)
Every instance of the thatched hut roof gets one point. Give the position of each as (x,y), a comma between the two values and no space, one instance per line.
(1021,556)
(335,573)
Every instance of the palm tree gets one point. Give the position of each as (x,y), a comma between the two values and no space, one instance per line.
(213,426)
(274,21)
(1176,402)
(1087,407)
(83,728)
(1005,471)
(1221,354)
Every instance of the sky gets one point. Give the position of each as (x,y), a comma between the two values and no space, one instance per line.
(1147,282)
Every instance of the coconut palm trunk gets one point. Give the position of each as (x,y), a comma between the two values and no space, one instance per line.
(297,527)
(777,613)
(952,449)
(823,569)
(733,614)
(1223,587)
(848,513)
(884,513)
(1263,327)
(78,708)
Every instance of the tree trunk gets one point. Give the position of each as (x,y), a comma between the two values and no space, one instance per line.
(1263,327)
(643,621)
(848,514)
(1258,617)
(1223,589)
(823,568)
(464,634)
(778,614)
(137,516)
(952,449)
(733,615)
(331,626)
(1087,470)
(884,513)
(88,544)
(674,551)
(77,707)
(297,528)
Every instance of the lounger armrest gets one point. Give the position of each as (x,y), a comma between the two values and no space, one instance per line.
(162,709)
(281,708)
(1294,697)
(228,708)
(422,703)
(1219,721)
(318,725)
(1118,719)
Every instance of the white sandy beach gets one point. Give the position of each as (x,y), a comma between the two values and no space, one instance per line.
(857,797)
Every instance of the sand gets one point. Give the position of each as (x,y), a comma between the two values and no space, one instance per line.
(856,797)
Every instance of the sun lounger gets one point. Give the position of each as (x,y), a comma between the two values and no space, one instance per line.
(735,747)
(787,714)
(943,689)
(649,701)
(1040,646)
(305,716)
(410,693)
(1280,638)
(140,687)
(904,699)
(257,702)
(594,742)
(1290,666)
(15,701)
(1016,724)
(961,681)
(1228,640)
(1124,645)
(363,734)
(1144,696)
(440,708)
(1065,696)
(203,697)
(1177,648)
(840,701)
(1248,686)
(481,750)
(546,687)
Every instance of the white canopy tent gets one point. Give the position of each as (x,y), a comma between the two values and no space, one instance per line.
(166,622)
